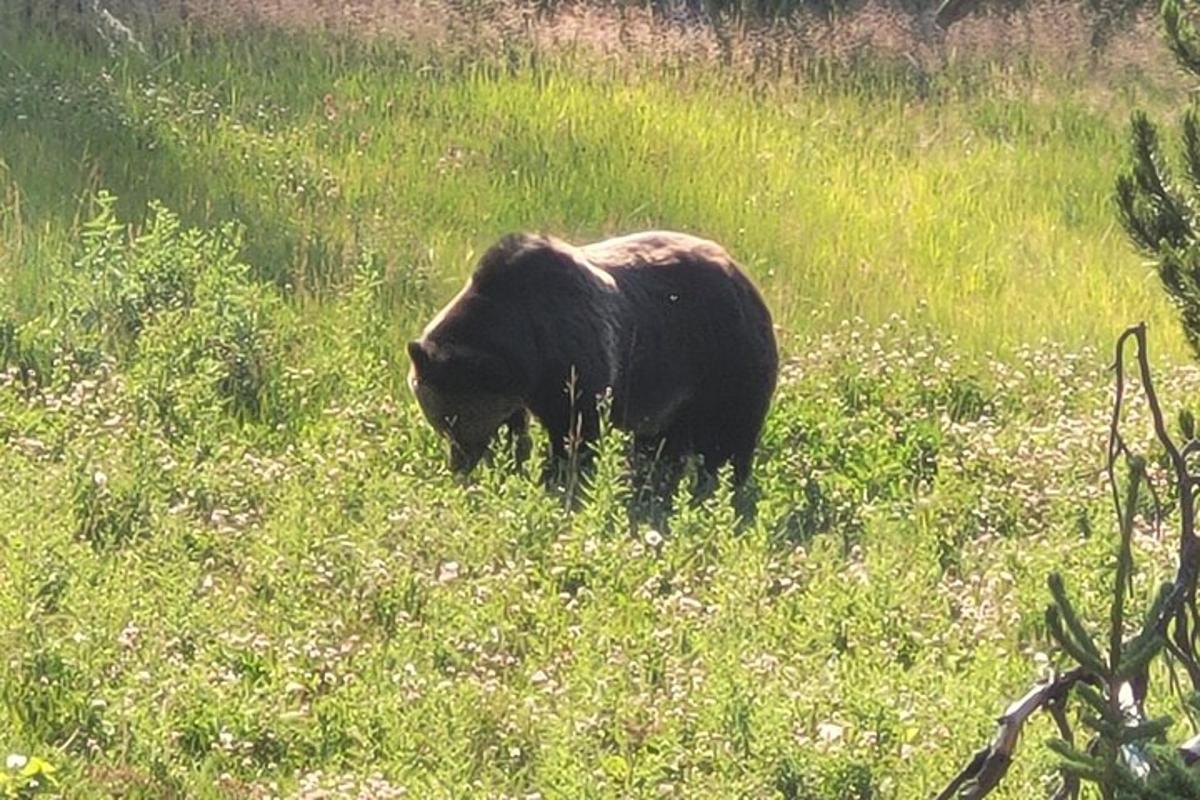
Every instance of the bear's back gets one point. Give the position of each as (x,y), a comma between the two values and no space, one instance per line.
(653,248)
(521,257)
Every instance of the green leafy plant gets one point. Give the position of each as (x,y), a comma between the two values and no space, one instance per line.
(24,777)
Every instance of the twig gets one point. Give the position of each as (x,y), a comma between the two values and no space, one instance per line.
(989,765)
(1116,444)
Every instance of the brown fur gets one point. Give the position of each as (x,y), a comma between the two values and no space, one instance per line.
(665,321)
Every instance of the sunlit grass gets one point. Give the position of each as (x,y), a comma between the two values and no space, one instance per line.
(984,205)
(233,565)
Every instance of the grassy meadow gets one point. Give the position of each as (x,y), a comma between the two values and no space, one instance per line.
(232,563)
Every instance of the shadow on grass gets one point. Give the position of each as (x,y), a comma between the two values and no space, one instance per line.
(74,120)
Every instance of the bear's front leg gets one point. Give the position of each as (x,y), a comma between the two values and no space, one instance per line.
(519,441)
(572,444)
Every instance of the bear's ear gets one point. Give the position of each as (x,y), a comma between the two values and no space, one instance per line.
(419,356)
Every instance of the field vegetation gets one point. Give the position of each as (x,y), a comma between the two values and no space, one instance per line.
(232,563)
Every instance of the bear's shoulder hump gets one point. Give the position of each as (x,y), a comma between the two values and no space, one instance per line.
(520,253)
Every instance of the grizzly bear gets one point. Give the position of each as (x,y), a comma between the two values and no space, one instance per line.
(665,324)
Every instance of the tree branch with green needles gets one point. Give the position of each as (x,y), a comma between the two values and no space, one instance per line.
(1125,755)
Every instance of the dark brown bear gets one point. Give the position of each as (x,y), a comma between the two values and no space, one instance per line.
(666,321)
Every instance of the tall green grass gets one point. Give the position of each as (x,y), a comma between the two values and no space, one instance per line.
(978,200)
(205,596)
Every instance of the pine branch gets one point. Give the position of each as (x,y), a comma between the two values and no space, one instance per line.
(1162,216)
(1181,37)
(1191,147)
(1134,217)
(1123,681)
(1069,788)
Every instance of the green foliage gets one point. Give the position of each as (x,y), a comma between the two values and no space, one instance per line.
(1118,760)
(425,161)
(232,562)
(1156,208)
(608,487)
(108,516)
(1181,36)
(26,777)
(218,354)
(281,606)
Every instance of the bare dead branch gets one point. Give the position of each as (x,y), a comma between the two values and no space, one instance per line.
(989,765)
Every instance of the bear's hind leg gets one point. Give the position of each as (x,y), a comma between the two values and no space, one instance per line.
(725,439)
(658,464)
(734,441)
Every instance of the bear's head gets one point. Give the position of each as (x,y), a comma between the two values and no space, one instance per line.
(466,393)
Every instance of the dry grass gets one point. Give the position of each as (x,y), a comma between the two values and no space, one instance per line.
(1054,34)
